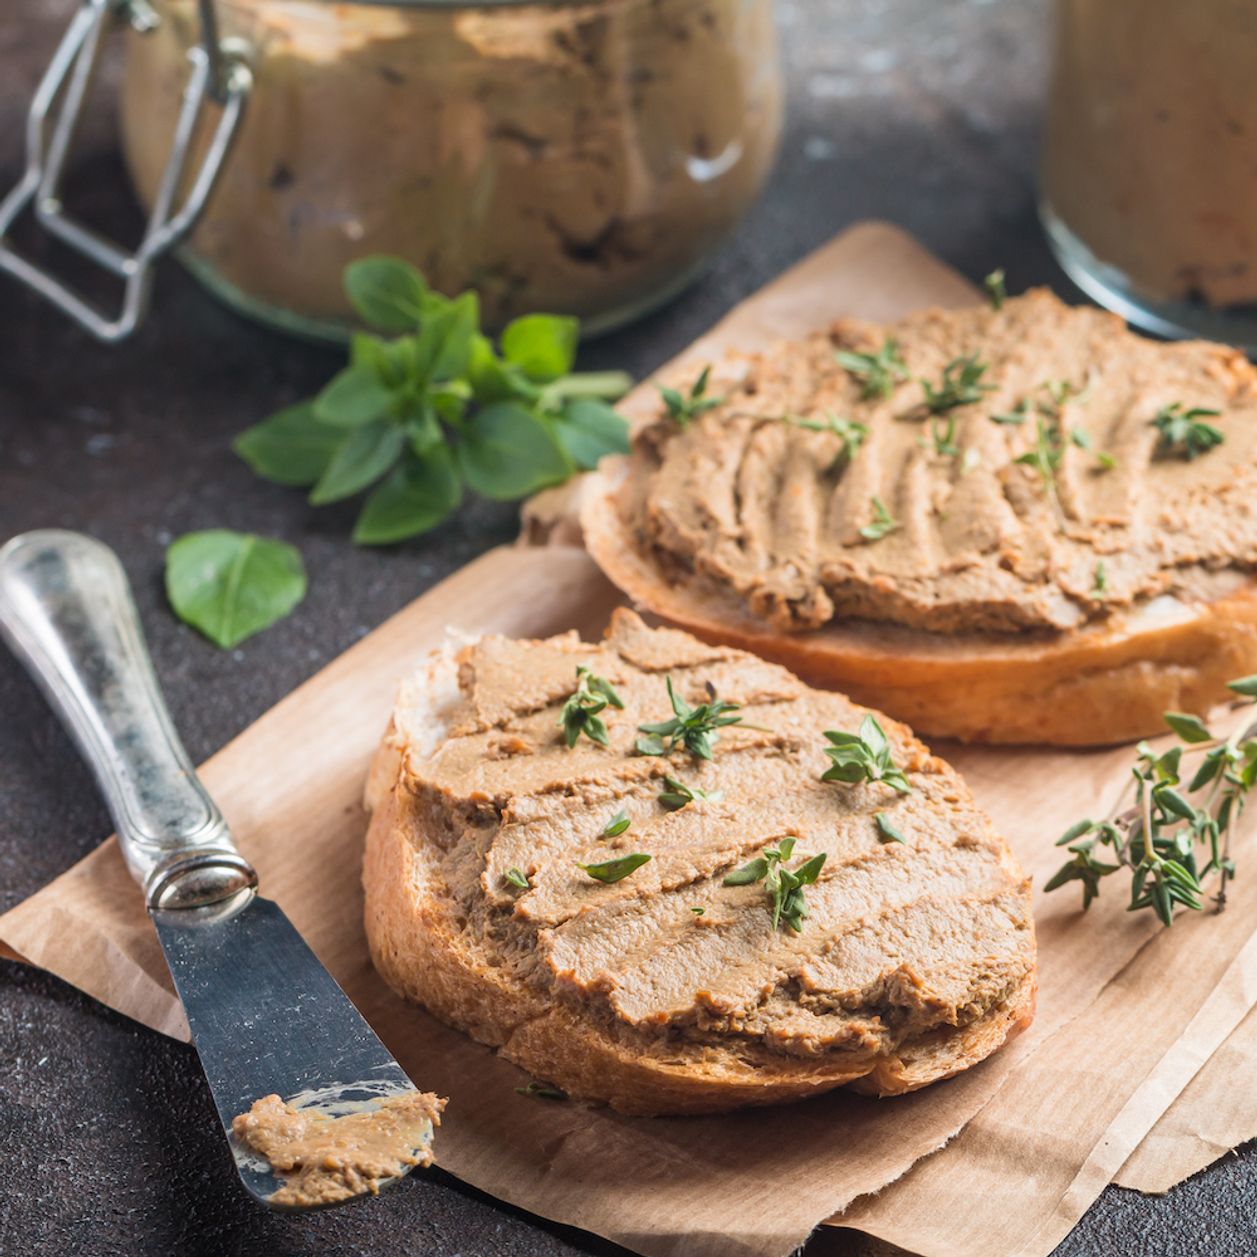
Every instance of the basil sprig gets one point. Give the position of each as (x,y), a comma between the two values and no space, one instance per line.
(417,417)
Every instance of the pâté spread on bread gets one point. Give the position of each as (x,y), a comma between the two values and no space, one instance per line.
(1020,478)
(670,876)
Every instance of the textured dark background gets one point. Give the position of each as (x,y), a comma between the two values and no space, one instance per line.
(924,112)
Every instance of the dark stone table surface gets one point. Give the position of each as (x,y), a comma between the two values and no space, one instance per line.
(924,112)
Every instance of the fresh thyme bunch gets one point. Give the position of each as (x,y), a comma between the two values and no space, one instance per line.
(1173,835)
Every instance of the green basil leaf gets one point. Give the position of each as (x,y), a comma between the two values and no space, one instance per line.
(363,456)
(386,292)
(355,395)
(543,346)
(493,380)
(291,447)
(509,452)
(590,429)
(416,497)
(443,346)
(230,585)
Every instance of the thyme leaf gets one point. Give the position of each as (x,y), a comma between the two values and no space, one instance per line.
(693,727)
(582,711)
(996,293)
(878,372)
(616,825)
(615,870)
(541,1092)
(886,828)
(882,523)
(684,408)
(848,431)
(1183,432)
(785,887)
(676,794)
(516,878)
(863,756)
(961,385)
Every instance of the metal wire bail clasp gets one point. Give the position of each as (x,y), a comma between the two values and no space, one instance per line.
(217,74)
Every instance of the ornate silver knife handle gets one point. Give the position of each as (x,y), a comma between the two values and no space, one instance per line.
(67,612)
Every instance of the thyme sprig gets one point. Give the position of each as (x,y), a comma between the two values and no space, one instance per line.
(676,794)
(1171,836)
(878,372)
(582,712)
(691,727)
(1183,432)
(785,887)
(961,385)
(863,756)
(849,432)
(684,408)
(882,524)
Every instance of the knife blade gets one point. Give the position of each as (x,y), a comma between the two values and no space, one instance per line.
(266,1017)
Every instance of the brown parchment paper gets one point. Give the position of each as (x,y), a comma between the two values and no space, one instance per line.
(1050,1118)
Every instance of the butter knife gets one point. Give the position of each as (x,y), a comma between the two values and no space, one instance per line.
(266,1017)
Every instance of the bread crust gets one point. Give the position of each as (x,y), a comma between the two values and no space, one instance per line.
(422,953)
(1093,686)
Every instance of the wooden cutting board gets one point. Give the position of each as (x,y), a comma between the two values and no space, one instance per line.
(752,1183)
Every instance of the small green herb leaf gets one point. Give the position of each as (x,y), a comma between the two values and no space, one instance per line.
(230,585)
(755,871)
(848,431)
(362,457)
(877,372)
(615,870)
(387,292)
(698,912)
(542,346)
(1184,433)
(684,408)
(863,756)
(1188,727)
(691,727)
(676,794)
(582,712)
(510,452)
(355,396)
(1247,686)
(1100,580)
(886,829)
(539,1091)
(996,293)
(291,447)
(588,430)
(961,385)
(882,523)
(616,825)
(417,496)
(516,878)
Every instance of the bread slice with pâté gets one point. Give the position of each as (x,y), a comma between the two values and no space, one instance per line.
(786,934)
(1023,524)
